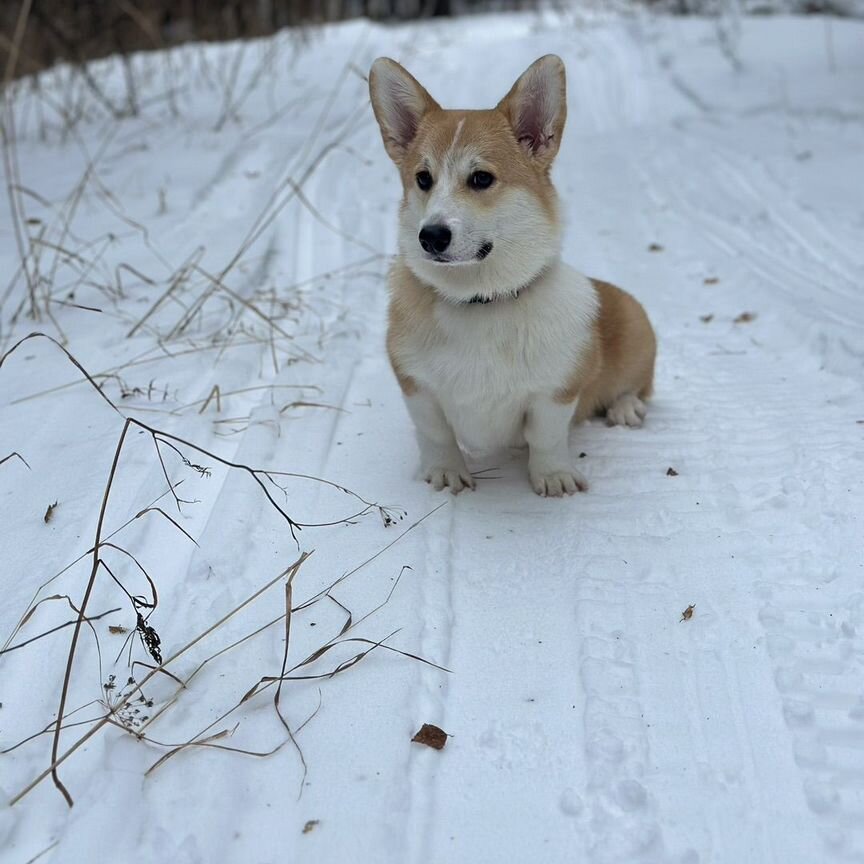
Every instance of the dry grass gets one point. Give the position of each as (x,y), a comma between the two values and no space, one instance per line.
(119,708)
(191,308)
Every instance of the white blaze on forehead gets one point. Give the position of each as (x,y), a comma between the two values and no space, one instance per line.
(459,156)
(450,150)
(458,161)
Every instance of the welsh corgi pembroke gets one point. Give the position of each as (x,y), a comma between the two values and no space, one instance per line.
(495,342)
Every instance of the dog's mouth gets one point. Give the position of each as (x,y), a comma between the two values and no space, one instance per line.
(481,254)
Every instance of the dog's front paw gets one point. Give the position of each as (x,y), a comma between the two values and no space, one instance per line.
(455,478)
(555,484)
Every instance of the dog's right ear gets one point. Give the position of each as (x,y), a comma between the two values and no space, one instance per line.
(399,103)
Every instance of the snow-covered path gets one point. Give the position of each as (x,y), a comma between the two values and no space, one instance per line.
(588,721)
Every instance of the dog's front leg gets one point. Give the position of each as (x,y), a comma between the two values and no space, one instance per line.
(441,461)
(547,428)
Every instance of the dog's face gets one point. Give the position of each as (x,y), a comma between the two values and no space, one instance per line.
(479,211)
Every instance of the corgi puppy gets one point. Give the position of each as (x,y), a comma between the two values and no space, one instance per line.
(495,342)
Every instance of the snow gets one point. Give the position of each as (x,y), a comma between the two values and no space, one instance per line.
(588,722)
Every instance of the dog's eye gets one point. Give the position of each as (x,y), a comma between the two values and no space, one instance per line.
(424,180)
(481,180)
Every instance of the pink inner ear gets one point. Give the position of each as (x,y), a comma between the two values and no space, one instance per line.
(535,143)
(534,126)
(405,124)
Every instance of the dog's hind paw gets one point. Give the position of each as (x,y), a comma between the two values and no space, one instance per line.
(626,410)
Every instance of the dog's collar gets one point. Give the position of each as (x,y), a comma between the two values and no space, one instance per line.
(479,298)
(509,295)
(483,299)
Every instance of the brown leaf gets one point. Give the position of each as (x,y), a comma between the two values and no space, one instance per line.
(655,247)
(49,513)
(431,736)
(671,472)
(745,318)
(311,825)
(710,280)
(687,614)
(706,319)
(117,629)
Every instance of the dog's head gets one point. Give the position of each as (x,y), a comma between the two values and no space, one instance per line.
(479,213)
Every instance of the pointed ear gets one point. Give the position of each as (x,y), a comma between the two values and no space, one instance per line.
(536,107)
(399,103)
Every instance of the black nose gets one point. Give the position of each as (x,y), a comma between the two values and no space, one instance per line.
(435,238)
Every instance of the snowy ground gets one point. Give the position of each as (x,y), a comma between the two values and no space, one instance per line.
(588,722)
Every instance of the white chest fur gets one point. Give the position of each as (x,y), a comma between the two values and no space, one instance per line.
(491,359)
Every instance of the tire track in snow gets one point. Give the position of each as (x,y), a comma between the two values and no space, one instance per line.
(813,641)
(428,702)
(818,651)
(763,227)
(622,816)
(791,231)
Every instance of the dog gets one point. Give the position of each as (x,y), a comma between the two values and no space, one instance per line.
(494,341)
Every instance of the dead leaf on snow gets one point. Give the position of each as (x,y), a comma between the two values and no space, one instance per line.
(671,472)
(745,318)
(655,247)
(710,280)
(49,513)
(687,614)
(431,736)
(311,825)
(117,629)
(706,319)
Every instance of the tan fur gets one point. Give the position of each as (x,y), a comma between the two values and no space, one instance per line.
(620,359)
(410,318)
(496,148)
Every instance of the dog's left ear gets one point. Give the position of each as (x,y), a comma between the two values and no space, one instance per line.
(536,107)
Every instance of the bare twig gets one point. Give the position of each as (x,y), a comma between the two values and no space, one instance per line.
(67,676)
(26,642)
(17,455)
